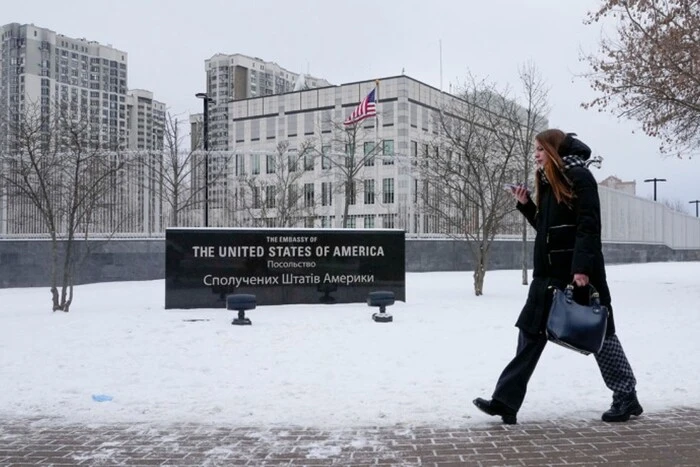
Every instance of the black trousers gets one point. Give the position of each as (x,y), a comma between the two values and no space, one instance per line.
(512,384)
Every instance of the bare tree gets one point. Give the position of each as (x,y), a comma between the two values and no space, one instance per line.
(172,172)
(675,205)
(528,119)
(463,179)
(276,198)
(64,181)
(347,152)
(649,72)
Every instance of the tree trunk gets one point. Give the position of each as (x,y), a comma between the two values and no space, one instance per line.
(67,291)
(54,273)
(346,208)
(176,208)
(70,297)
(54,298)
(480,269)
(67,279)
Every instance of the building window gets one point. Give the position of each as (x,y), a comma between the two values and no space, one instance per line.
(256,197)
(351,193)
(326,157)
(369,153)
(240,164)
(255,130)
(308,195)
(270,196)
(388,151)
(326,121)
(326,194)
(255,161)
(426,155)
(292,125)
(270,165)
(309,123)
(388,220)
(240,131)
(369,221)
(414,152)
(387,114)
(369,191)
(308,161)
(271,127)
(292,160)
(349,155)
(292,196)
(413,110)
(388,191)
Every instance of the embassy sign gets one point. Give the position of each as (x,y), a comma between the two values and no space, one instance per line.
(282,266)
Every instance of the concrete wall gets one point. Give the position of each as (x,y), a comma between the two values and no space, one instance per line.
(448,255)
(25,263)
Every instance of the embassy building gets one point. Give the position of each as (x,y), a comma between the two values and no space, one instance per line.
(306,126)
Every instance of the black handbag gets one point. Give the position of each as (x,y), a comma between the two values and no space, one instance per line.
(577,327)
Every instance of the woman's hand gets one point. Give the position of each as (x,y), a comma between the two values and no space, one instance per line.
(581,280)
(520,193)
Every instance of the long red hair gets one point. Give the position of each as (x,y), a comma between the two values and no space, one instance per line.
(551,140)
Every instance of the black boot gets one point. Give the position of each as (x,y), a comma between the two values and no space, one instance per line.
(623,408)
(494,407)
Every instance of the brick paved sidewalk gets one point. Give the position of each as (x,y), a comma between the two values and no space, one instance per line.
(657,439)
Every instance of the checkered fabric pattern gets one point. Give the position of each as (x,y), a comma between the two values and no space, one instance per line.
(569,162)
(573,161)
(615,368)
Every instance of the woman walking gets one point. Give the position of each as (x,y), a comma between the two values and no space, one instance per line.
(566,215)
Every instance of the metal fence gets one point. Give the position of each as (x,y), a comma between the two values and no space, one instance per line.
(625,219)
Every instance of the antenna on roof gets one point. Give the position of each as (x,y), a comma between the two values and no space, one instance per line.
(440,64)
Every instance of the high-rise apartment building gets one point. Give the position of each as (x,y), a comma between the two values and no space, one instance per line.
(196,131)
(237,76)
(41,68)
(42,72)
(146,120)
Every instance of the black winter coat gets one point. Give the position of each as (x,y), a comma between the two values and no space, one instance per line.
(567,242)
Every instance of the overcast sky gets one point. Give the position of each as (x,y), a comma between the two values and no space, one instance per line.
(167,42)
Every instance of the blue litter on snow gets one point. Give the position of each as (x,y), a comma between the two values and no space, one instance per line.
(101,398)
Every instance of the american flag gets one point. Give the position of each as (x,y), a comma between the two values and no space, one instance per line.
(365,109)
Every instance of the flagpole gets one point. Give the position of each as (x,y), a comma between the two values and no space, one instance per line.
(376,132)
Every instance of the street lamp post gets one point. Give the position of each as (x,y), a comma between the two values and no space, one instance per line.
(695,202)
(205,139)
(655,180)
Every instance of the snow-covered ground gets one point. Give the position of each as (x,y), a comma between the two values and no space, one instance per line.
(331,365)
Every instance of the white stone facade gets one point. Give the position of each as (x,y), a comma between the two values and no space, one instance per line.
(387,191)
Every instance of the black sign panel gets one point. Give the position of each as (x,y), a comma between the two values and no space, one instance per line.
(282,266)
